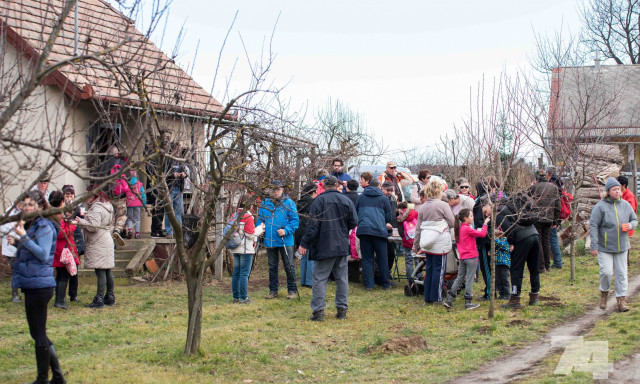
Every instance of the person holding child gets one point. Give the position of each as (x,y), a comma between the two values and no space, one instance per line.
(468,255)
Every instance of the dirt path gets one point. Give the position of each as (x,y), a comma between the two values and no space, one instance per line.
(522,362)
(625,371)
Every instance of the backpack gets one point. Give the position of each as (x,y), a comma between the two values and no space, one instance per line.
(235,239)
(565,205)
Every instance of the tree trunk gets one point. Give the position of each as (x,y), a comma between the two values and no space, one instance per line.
(194,327)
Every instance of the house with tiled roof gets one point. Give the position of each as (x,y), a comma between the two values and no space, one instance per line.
(85,105)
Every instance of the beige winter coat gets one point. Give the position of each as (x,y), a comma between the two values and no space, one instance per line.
(97,228)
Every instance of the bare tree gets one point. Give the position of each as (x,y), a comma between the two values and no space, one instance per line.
(612,27)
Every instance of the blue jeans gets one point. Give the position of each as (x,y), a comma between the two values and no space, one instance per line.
(240,279)
(555,247)
(178,208)
(436,266)
(368,246)
(306,270)
(273,255)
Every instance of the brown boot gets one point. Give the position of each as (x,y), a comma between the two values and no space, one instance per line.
(533,298)
(622,304)
(514,302)
(604,296)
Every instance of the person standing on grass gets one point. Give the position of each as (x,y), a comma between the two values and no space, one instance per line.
(468,255)
(9,239)
(280,216)
(374,221)
(65,240)
(408,219)
(78,237)
(547,198)
(331,216)
(309,192)
(515,218)
(243,254)
(99,247)
(630,198)
(611,220)
(433,238)
(33,273)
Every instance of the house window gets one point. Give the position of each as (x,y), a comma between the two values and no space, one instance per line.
(99,138)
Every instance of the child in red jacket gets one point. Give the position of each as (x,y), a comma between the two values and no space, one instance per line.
(468,255)
(135,199)
(408,218)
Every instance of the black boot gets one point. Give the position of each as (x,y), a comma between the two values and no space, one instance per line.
(98,302)
(317,316)
(42,364)
(57,376)
(60,293)
(109,299)
(341,313)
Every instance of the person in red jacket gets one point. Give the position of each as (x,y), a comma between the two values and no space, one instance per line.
(408,219)
(468,254)
(65,239)
(630,198)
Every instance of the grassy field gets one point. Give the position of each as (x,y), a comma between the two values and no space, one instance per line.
(387,337)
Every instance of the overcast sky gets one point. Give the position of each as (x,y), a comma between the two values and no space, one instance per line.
(406,66)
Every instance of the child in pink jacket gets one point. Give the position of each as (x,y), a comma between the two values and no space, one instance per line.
(468,255)
(135,198)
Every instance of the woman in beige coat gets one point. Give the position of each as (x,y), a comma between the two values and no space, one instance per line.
(99,247)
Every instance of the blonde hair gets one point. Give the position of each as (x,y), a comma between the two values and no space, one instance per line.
(433,190)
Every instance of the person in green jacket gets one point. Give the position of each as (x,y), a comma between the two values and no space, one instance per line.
(611,220)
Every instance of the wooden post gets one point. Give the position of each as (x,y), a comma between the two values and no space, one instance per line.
(633,180)
(540,161)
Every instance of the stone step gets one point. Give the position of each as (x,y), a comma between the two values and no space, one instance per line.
(125,254)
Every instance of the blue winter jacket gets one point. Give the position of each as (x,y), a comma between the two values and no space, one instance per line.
(374,212)
(282,214)
(341,176)
(33,269)
(331,216)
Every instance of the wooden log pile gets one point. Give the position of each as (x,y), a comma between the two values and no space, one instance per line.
(597,163)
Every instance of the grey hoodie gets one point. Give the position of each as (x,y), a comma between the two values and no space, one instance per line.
(605,225)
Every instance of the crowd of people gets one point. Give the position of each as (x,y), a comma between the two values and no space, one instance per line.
(330,223)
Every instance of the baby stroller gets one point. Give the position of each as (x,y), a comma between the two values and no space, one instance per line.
(451,272)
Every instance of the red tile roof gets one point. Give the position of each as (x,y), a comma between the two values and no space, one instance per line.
(28,23)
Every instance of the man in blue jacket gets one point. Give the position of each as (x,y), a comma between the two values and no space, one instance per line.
(331,215)
(280,216)
(374,218)
(342,177)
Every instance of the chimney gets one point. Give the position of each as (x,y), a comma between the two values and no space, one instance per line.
(596,62)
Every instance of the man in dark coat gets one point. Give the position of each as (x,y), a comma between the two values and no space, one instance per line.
(332,215)
(352,191)
(374,221)
(547,199)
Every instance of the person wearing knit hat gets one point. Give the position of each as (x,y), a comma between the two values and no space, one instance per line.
(611,220)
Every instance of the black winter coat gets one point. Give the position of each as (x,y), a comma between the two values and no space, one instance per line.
(331,216)
(303,206)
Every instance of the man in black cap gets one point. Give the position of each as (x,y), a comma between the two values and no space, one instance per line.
(331,215)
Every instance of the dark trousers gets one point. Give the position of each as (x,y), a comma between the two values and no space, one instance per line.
(435,268)
(157,212)
(35,305)
(485,268)
(63,277)
(391,254)
(105,282)
(525,251)
(273,255)
(368,246)
(502,280)
(544,232)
